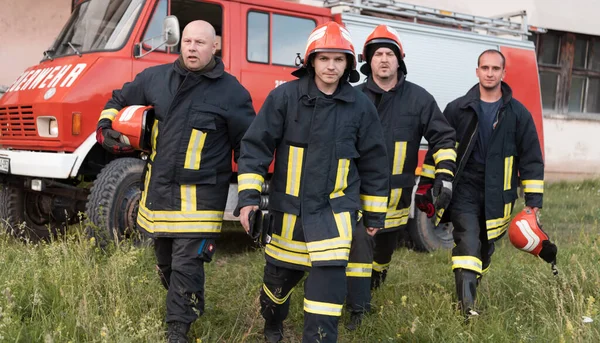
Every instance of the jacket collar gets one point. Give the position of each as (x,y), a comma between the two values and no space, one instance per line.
(344,92)
(471,99)
(373,87)
(215,73)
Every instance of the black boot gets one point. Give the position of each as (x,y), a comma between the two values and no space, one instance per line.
(466,289)
(377,279)
(355,320)
(273,331)
(177,332)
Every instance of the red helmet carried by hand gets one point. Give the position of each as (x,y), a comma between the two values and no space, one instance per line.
(330,37)
(134,123)
(525,233)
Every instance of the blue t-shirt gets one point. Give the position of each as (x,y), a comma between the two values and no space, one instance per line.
(487,117)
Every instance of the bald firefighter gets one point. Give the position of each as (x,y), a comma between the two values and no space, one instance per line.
(201,114)
(330,159)
(407,113)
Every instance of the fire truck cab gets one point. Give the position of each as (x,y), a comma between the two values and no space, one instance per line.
(51,167)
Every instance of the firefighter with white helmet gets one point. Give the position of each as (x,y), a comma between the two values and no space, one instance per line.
(407,113)
(330,159)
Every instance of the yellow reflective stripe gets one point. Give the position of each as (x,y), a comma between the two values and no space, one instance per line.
(294,170)
(329,244)
(380,267)
(109,113)
(497,227)
(146,183)
(428,171)
(188,198)
(250,181)
(395,195)
(487,269)
(359,270)
(322,308)
(193,154)
(343,224)
(456,146)
(443,155)
(288,224)
(288,244)
(153,139)
(201,215)
(399,157)
(329,255)
(178,227)
(438,216)
(287,256)
(372,203)
(533,186)
(395,218)
(508,171)
(447,171)
(466,262)
(278,301)
(341,178)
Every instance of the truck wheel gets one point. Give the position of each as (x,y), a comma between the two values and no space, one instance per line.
(28,214)
(113,201)
(425,237)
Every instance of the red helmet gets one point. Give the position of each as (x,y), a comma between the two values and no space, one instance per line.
(382,34)
(329,37)
(525,233)
(134,123)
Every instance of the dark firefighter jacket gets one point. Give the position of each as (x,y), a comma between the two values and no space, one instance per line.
(199,119)
(330,158)
(408,113)
(513,151)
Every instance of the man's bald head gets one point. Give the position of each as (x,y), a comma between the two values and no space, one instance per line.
(198,44)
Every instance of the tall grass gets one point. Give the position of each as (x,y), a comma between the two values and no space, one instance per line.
(68,290)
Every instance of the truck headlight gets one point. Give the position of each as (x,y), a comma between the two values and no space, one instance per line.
(47,126)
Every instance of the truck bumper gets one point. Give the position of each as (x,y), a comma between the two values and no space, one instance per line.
(38,164)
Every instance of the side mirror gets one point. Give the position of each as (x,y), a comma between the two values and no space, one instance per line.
(170,37)
(171,30)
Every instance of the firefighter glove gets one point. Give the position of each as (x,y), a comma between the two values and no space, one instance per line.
(442,192)
(110,140)
(424,200)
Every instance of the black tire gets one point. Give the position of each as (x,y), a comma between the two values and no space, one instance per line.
(425,237)
(113,201)
(28,214)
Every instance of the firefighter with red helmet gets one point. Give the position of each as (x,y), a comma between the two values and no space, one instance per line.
(407,113)
(200,115)
(330,162)
(497,144)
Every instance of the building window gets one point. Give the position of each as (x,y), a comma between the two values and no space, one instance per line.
(569,67)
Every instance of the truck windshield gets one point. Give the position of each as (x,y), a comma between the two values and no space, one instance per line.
(96,25)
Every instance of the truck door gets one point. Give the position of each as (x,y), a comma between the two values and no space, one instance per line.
(272,40)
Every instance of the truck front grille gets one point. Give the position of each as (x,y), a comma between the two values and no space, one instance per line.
(17,122)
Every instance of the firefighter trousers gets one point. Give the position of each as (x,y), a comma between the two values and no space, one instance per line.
(369,261)
(180,264)
(472,250)
(324,293)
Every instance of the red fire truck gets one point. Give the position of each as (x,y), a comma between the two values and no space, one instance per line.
(51,167)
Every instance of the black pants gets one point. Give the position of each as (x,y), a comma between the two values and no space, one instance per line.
(370,259)
(324,293)
(181,264)
(472,250)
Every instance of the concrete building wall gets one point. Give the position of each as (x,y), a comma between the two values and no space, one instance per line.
(27,28)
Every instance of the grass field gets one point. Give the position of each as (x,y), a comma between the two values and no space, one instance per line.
(70,291)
